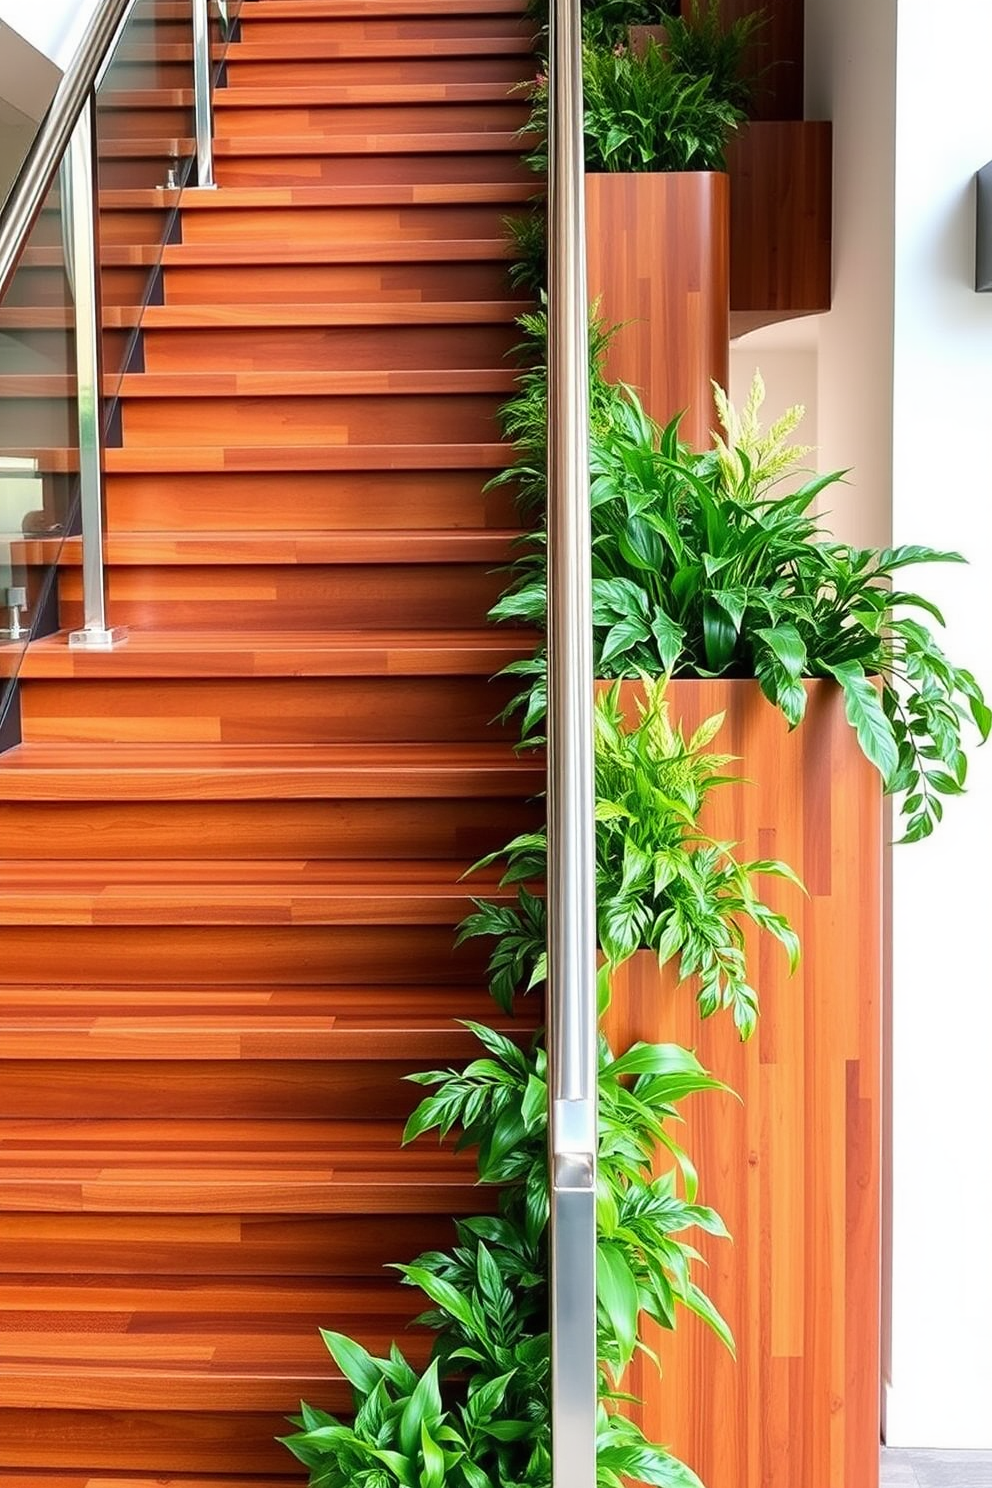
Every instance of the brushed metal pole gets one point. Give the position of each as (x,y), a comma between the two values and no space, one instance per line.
(96,634)
(201,95)
(573,1018)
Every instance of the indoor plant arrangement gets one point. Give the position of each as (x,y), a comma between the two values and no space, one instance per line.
(705,565)
(488,1295)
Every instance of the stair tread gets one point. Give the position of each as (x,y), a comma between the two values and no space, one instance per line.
(240,771)
(194,255)
(282,384)
(430,193)
(429,142)
(403,48)
(289,654)
(183,317)
(310,95)
(300,1023)
(279,10)
(284,458)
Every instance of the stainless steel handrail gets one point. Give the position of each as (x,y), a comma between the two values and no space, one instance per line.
(50,143)
(573,1016)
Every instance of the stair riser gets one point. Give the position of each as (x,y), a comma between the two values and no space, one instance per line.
(332,348)
(403,118)
(291,74)
(51,352)
(349,710)
(428,596)
(413,419)
(48,286)
(203,1089)
(332,29)
(310,955)
(370,170)
(217,1245)
(174,122)
(430,829)
(311,501)
(157,1440)
(318,226)
(132,75)
(315,284)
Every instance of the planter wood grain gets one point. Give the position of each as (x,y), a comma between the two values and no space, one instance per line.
(659,263)
(794,1166)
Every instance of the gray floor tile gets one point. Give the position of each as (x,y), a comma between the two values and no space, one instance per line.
(936,1469)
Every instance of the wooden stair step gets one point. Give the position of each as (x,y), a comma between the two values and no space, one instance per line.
(281,458)
(284,384)
(264,10)
(300,654)
(319,48)
(177,1166)
(152,772)
(217,255)
(427,143)
(84,1478)
(214,892)
(240,1345)
(275,549)
(433,312)
(347,95)
(431,193)
(405,1024)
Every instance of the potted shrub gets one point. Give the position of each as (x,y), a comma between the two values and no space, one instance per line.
(713,568)
(658,118)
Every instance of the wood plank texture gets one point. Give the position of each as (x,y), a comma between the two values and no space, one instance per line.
(780,222)
(793,1166)
(658,248)
(236,846)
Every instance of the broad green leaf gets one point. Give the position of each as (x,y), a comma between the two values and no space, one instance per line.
(866,717)
(354,1362)
(619,1298)
(787,645)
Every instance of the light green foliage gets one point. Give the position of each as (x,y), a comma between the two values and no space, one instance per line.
(662,883)
(710,565)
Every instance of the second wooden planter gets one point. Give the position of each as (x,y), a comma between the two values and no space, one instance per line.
(659,265)
(793,1166)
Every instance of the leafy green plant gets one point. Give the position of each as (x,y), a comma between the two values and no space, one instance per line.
(644,113)
(488,1295)
(700,44)
(703,565)
(662,883)
(605,22)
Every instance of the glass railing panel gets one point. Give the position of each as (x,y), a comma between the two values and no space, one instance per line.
(144,145)
(38,434)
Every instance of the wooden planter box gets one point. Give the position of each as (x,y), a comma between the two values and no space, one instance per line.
(659,263)
(794,1166)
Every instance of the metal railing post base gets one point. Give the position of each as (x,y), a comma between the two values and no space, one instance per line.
(93,638)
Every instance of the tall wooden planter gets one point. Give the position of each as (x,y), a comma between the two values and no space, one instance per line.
(659,263)
(793,1166)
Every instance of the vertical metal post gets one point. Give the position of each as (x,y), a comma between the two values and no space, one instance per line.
(201,95)
(573,1019)
(85,278)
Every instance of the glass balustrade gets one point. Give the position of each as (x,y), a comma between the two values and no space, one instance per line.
(59,389)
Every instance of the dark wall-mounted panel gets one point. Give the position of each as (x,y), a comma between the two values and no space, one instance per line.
(780,222)
(983,237)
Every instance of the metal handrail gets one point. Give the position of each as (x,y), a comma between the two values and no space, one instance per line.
(573,1014)
(36,175)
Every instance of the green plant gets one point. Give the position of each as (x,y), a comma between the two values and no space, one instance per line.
(662,883)
(701,45)
(488,1295)
(704,566)
(605,22)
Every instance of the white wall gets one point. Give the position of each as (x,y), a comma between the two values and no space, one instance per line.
(940,1390)
(53,26)
(905,397)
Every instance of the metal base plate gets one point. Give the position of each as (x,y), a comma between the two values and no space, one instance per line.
(97,640)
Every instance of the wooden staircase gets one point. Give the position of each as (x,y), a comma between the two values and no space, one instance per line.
(235,846)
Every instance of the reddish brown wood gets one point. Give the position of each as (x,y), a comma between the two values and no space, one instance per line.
(237,854)
(793,1166)
(658,265)
(780,222)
